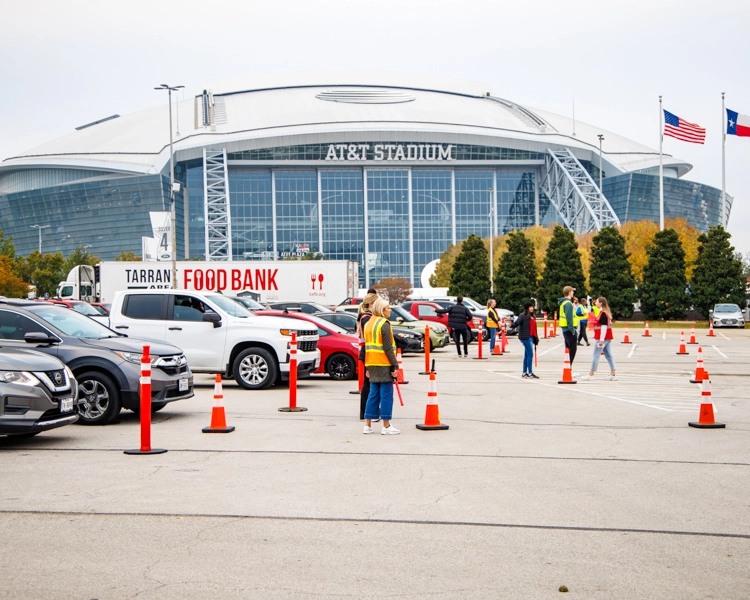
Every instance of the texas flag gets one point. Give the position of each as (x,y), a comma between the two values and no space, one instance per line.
(738,124)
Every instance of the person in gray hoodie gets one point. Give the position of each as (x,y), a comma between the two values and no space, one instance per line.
(566,315)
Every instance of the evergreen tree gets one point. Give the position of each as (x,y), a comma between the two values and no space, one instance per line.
(611,274)
(471,271)
(562,267)
(718,275)
(664,289)
(516,277)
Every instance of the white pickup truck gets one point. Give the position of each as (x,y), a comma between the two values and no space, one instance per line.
(217,334)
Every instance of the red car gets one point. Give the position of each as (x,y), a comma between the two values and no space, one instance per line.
(77,305)
(426,311)
(338,349)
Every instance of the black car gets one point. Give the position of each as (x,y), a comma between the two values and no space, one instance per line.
(406,340)
(106,364)
(37,392)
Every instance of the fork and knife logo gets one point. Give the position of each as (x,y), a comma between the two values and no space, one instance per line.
(317,277)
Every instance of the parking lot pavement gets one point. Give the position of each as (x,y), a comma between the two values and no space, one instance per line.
(599,486)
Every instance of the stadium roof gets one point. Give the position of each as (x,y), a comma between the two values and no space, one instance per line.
(305,108)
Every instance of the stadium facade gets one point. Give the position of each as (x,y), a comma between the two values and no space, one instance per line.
(384,169)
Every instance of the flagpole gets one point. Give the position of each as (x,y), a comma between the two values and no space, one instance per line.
(723,161)
(661,169)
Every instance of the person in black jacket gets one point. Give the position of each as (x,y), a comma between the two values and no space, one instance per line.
(527,335)
(459,318)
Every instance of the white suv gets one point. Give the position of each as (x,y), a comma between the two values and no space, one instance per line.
(218,334)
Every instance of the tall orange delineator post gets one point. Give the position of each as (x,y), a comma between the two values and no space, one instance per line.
(646,332)
(567,370)
(400,372)
(692,335)
(145,382)
(683,347)
(711,328)
(432,412)
(426,351)
(706,416)
(360,372)
(626,339)
(218,416)
(700,372)
(504,338)
(545,325)
(293,378)
(554,326)
(480,343)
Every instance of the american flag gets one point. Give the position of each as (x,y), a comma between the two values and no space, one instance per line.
(682,130)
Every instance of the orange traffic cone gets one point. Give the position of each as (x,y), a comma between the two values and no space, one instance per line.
(504,338)
(497,351)
(400,373)
(692,335)
(700,372)
(646,331)
(706,416)
(683,348)
(567,371)
(218,418)
(626,339)
(711,329)
(432,413)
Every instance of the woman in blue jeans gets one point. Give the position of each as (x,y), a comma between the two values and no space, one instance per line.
(526,323)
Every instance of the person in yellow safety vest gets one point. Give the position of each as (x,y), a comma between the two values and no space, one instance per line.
(583,312)
(381,367)
(493,322)
(567,324)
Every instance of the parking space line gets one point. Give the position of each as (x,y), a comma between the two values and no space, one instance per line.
(664,335)
(688,403)
(725,337)
(719,351)
(550,350)
(630,354)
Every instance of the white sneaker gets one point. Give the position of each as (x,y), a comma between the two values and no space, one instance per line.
(611,378)
(367,429)
(576,375)
(390,431)
(585,377)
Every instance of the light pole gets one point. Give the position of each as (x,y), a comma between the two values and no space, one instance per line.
(601,192)
(39,228)
(492,267)
(172,186)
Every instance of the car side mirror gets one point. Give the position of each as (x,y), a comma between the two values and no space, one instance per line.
(212,318)
(399,319)
(39,337)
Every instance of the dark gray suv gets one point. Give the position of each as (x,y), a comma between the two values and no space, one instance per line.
(37,393)
(106,364)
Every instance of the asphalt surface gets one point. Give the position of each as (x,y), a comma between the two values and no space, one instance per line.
(599,486)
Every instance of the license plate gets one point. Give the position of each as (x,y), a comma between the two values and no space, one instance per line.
(66,404)
(182,386)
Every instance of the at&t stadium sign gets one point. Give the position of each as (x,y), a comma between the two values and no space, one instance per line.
(410,152)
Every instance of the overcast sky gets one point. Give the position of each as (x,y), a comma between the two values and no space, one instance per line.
(70,62)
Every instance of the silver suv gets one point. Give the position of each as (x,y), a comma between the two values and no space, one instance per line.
(37,392)
(727,315)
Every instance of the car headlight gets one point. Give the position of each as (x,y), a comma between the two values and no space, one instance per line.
(135,357)
(19,377)
(287,332)
(355,344)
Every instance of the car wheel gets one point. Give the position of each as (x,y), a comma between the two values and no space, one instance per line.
(98,398)
(341,367)
(254,369)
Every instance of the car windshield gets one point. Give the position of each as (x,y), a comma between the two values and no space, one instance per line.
(248,303)
(469,303)
(230,306)
(72,323)
(727,308)
(319,307)
(397,311)
(100,310)
(320,323)
(86,309)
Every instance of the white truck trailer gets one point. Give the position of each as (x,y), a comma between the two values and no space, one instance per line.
(324,281)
